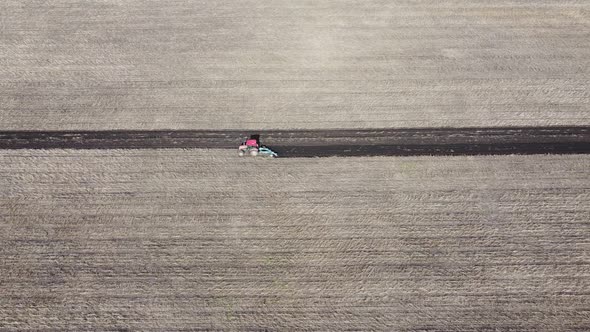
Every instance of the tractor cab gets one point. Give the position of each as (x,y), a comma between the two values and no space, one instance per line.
(251,143)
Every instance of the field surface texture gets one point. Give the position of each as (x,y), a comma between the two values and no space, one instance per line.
(251,64)
(323,143)
(198,239)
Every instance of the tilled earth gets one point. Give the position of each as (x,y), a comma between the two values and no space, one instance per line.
(200,239)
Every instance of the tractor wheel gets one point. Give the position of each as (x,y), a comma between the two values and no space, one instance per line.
(241,153)
(254,152)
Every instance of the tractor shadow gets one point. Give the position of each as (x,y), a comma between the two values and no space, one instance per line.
(256,137)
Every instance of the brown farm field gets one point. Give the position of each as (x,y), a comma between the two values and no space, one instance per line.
(199,239)
(95,237)
(280,64)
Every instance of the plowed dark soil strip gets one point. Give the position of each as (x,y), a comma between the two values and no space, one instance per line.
(320,143)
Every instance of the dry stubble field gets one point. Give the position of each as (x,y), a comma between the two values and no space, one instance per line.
(182,239)
(251,64)
(179,239)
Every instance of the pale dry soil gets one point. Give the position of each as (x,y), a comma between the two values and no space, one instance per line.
(201,239)
(251,64)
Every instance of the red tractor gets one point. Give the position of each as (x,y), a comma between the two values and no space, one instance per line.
(253,147)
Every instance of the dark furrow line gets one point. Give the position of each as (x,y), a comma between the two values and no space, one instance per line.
(321,143)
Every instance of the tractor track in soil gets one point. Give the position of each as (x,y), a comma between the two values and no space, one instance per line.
(324,143)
